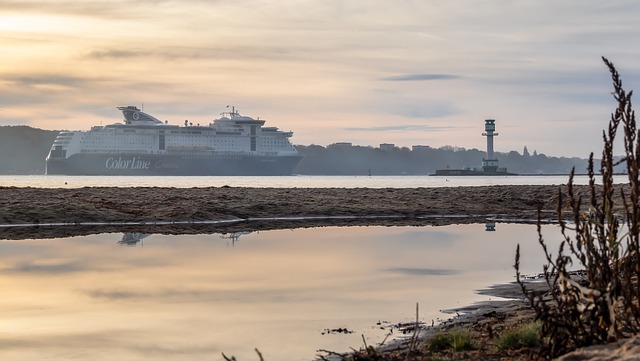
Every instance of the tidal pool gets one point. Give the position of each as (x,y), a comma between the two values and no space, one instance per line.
(192,297)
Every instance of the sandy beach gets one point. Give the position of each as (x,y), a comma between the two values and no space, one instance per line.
(44,213)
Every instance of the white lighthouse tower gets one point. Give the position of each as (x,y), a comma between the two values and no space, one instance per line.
(489,164)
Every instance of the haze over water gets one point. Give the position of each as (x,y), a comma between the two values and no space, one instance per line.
(196,296)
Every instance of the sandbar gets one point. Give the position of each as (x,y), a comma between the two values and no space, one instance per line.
(27,212)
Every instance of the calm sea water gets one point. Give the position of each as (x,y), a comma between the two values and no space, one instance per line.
(58,181)
(193,297)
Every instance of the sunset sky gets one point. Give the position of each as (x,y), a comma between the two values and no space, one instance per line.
(424,72)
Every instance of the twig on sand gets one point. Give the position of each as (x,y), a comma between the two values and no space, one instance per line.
(415,334)
(330,353)
(233,358)
(259,354)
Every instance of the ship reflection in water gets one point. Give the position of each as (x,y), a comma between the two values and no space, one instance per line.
(132,239)
(193,296)
(234,236)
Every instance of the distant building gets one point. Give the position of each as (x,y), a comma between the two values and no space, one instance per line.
(420,148)
(387,146)
(342,145)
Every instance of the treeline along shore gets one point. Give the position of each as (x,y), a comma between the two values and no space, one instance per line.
(44,212)
(23,150)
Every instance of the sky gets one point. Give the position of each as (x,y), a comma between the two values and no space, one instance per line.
(423,72)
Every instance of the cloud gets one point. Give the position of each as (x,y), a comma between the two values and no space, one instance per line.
(405,103)
(427,110)
(213,53)
(94,9)
(36,79)
(118,54)
(420,77)
(38,87)
(30,95)
(170,295)
(46,268)
(164,53)
(115,340)
(14,121)
(116,295)
(401,128)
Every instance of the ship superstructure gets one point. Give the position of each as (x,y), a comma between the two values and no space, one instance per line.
(143,145)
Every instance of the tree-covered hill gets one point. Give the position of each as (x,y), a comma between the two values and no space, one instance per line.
(23,149)
(344,159)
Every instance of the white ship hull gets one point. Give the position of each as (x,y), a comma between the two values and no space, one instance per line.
(143,145)
(176,165)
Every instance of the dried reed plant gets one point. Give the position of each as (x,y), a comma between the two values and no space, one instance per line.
(600,304)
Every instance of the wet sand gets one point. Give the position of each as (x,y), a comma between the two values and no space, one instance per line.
(225,209)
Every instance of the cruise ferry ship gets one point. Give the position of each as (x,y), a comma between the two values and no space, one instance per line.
(143,145)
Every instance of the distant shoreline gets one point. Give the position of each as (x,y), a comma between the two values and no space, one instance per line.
(534,175)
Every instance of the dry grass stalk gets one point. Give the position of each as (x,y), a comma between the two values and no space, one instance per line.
(601,304)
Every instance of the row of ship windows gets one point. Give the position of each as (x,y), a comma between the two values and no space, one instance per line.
(133,146)
(223,141)
(151,142)
(173,133)
(113,135)
(112,138)
(210,157)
